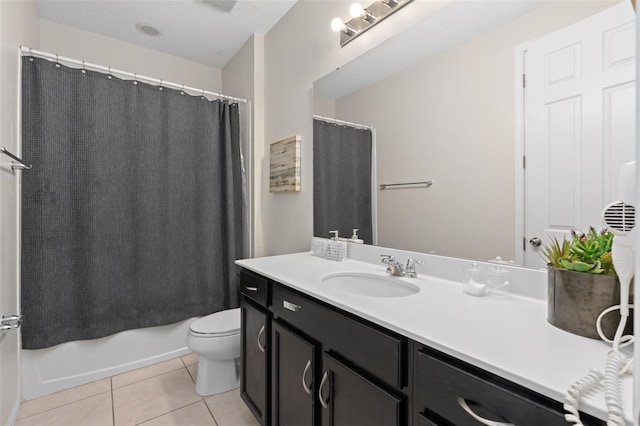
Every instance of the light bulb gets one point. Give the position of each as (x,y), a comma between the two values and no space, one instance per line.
(356,10)
(337,25)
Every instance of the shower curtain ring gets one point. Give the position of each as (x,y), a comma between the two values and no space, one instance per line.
(84,70)
(57,61)
(160,87)
(182,92)
(110,75)
(135,78)
(203,97)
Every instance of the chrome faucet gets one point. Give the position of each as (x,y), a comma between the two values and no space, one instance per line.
(395,268)
(410,270)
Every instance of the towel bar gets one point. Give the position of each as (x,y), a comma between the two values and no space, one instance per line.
(428,183)
(18,164)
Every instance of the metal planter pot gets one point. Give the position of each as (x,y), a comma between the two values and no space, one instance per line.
(575,299)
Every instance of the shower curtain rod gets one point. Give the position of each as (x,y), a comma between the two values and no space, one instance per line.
(109,70)
(346,123)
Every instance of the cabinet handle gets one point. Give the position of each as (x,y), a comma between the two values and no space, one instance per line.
(465,407)
(250,288)
(260,333)
(324,403)
(306,388)
(291,306)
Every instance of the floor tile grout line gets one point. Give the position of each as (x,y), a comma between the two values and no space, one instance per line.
(63,405)
(149,378)
(112,389)
(210,412)
(160,374)
(113,406)
(168,412)
(193,379)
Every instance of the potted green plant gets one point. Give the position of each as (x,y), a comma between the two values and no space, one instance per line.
(582,283)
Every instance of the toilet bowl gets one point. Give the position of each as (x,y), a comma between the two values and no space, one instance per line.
(216,339)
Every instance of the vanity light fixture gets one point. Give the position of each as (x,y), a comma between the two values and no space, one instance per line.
(357,11)
(338,26)
(365,18)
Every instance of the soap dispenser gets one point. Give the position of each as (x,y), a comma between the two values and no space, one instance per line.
(336,249)
(354,237)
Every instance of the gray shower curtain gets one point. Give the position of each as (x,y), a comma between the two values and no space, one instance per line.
(131,215)
(342,167)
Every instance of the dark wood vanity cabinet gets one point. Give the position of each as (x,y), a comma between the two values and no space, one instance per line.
(331,369)
(322,366)
(350,398)
(293,372)
(451,392)
(255,344)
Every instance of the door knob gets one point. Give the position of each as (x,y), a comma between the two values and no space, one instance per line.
(535,241)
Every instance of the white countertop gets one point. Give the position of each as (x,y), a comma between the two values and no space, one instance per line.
(508,336)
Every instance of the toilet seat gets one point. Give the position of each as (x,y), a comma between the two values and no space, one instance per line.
(219,324)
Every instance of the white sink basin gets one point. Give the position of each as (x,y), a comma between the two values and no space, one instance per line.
(372,285)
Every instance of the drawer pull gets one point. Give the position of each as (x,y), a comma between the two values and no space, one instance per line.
(260,333)
(324,403)
(250,288)
(291,306)
(465,407)
(306,388)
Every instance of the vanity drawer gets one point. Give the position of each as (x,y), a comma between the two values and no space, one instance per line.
(443,388)
(380,353)
(254,286)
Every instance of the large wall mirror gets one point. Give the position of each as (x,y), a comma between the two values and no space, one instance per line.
(447,103)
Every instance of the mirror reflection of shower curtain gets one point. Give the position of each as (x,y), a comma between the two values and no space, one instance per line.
(132,213)
(342,180)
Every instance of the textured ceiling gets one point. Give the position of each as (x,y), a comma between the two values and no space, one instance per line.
(191,29)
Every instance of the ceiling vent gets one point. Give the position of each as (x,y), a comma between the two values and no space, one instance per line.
(225,5)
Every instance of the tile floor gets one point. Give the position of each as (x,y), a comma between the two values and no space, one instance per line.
(162,394)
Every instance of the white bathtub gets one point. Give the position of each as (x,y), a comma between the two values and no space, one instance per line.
(70,364)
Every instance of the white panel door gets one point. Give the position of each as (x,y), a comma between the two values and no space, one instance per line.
(579,118)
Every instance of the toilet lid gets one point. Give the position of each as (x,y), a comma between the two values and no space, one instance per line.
(223,322)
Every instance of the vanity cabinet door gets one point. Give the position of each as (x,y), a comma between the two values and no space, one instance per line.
(254,384)
(293,379)
(348,398)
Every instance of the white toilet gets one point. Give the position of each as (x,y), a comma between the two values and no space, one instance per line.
(216,339)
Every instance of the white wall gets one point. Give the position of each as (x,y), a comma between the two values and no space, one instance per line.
(90,47)
(324,106)
(19,24)
(243,77)
(455,124)
(298,50)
